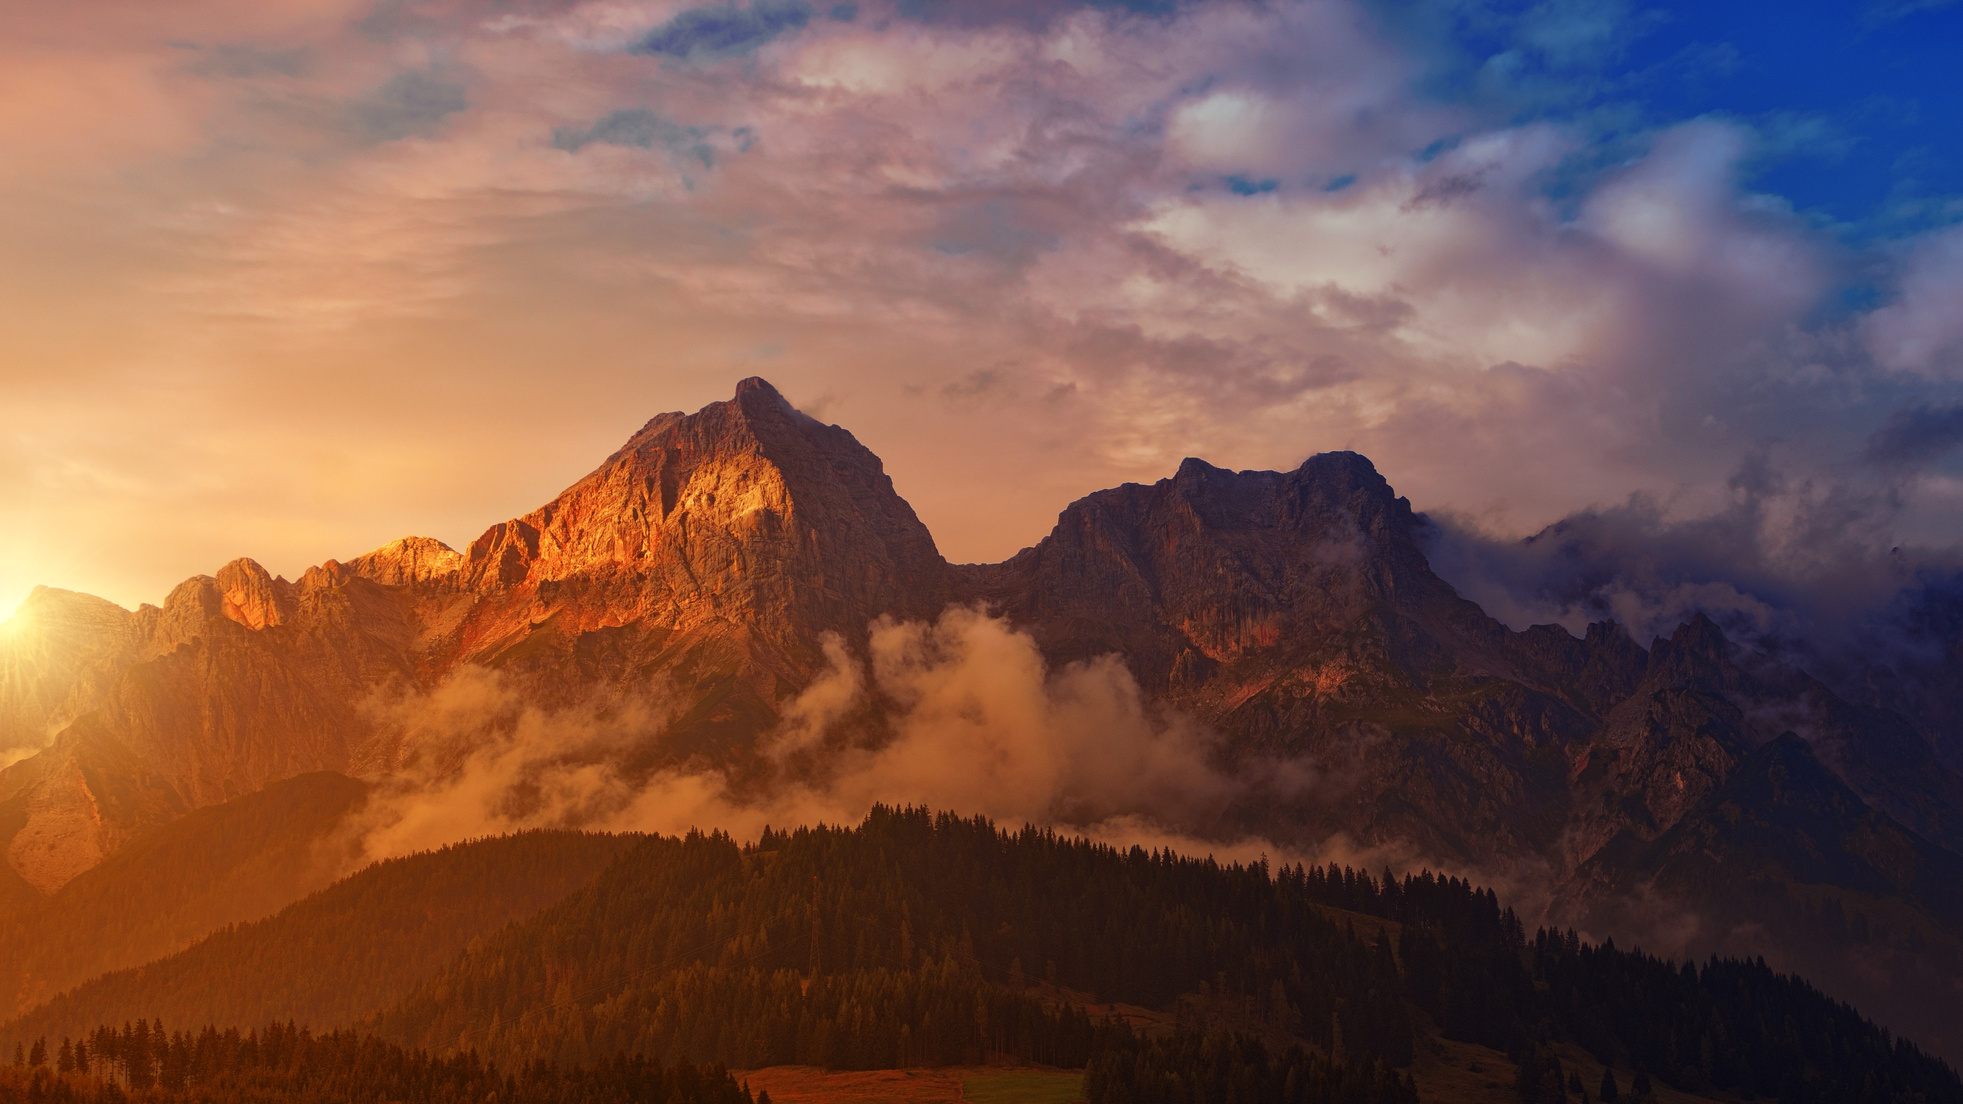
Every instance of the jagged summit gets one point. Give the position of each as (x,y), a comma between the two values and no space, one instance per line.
(747,508)
(1208,566)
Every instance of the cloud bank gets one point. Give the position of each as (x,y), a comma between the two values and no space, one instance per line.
(974,721)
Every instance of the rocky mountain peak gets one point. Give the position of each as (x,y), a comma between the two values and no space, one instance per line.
(747,509)
(250,595)
(410,561)
(1213,567)
(1696,654)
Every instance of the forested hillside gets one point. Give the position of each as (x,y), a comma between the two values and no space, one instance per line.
(225,864)
(923,939)
(285,1064)
(931,930)
(917,939)
(347,950)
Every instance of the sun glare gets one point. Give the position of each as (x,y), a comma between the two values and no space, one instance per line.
(10,604)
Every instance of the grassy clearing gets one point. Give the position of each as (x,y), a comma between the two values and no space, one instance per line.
(1024,1087)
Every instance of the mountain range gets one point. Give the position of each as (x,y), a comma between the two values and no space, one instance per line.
(739,596)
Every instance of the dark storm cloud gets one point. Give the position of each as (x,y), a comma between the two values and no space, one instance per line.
(710,34)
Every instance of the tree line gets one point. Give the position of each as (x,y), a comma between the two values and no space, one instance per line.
(822,942)
(1729,1025)
(141,1063)
(917,938)
(1233,1068)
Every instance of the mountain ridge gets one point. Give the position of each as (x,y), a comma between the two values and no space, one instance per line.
(1295,615)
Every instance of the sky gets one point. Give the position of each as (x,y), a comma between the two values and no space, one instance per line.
(292,280)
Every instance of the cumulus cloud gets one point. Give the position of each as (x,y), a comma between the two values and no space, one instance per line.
(1921,330)
(1782,553)
(973,719)
(475,756)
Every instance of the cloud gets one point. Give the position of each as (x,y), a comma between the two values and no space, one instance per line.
(643,129)
(1785,558)
(714,33)
(1916,435)
(1921,331)
(476,756)
(1806,571)
(412,104)
(1027,13)
(961,713)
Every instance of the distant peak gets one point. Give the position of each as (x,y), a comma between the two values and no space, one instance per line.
(408,561)
(756,397)
(1700,635)
(1354,463)
(251,596)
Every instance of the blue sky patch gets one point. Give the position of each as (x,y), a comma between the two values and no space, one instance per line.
(1855,105)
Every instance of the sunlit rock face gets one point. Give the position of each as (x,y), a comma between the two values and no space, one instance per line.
(714,548)
(708,554)
(1348,692)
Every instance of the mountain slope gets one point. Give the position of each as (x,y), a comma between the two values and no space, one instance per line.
(237,681)
(224,864)
(845,947)
(1785,860)
(347,950)
(1296,612)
